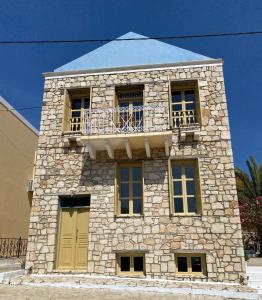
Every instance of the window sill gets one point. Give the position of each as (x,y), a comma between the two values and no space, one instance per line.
(199,276)
(129,216)
(185,215)
(131,275)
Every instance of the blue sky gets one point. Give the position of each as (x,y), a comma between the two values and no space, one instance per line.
(21,66)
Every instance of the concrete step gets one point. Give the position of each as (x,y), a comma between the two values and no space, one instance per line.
(194,288)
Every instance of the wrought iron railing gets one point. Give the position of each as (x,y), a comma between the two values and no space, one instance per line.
(13,247)
(183,117)
(123,120)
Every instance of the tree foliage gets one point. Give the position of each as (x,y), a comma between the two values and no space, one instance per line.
(249,188)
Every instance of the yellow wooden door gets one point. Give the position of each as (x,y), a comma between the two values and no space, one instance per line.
(81,245)
(73,240)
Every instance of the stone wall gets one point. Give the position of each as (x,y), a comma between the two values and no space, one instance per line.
(59,170)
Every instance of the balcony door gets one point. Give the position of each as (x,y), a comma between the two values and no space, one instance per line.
(130,110)
(73,235)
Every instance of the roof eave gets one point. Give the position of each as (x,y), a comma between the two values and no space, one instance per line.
(13,111)
(128,68)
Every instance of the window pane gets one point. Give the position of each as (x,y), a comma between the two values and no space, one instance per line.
(137,189)
(177,188)
(191,204)
(125,264)
(123,104)
(190,187)
(176,172)
(137,103)
(76,103)
(189,171)
(190,95)
(178,205)
(196,264)
(177,107)
(124,174)
(176,97)
(86,103)
(137,174)
(190,106)
(138,264)
(124,190)
(182,264)
(76,114)
(124,206)
(137,206)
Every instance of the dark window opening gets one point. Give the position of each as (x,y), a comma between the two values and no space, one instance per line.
(196,264)
(138,264)
(125,264)
(182,264)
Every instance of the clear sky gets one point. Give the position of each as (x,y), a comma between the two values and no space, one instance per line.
(21,66)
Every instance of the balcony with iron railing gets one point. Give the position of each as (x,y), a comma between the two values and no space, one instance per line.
(128,128)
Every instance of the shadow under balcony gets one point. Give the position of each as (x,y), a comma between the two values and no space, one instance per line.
(118,128)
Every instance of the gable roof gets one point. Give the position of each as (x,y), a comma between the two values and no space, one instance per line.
(12,110)
(131,53)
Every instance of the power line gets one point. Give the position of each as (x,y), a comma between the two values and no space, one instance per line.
(223,34)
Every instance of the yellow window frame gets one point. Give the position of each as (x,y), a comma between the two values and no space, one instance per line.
(188,256)
(131,256)
(130,182)
(183,86)
(184,179)
(82,98)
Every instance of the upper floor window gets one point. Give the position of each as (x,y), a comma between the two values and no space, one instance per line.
(184,103)
(130,108)
(76,106)
(185,189)
(129,189)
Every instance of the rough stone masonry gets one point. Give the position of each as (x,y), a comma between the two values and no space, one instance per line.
(217,231)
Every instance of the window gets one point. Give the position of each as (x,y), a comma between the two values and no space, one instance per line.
(130,193)
(130,109)
(76,108)
(185,189)
(130,264)
(190,264)
(184,104)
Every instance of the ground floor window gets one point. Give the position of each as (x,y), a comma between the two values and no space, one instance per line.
(190,264)
(130,264)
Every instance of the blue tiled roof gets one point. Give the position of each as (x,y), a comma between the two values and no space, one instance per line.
(131,53)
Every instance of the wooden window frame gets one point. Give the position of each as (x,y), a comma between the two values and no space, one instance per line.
(198,197)
(69,96)
(189,264)
(182,86)
(126,89)
(131,256)
(117,188)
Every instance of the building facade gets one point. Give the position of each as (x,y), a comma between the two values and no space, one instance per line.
(134,171)
(18,143)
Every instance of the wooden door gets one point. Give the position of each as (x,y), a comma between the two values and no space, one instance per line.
(73,239)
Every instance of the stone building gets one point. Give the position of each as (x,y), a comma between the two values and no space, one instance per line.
(134,172)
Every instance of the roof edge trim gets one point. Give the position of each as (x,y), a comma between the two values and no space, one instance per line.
(12,110)
(133,68)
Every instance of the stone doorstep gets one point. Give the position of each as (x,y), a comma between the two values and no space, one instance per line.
(228,291)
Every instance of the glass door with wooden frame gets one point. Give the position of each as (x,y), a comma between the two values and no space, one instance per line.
(130,111)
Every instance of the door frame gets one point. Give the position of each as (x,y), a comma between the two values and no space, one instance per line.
(58,231)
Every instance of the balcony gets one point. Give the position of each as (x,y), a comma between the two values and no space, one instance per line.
(128,128)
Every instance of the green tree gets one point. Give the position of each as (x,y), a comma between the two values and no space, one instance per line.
(249,189)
